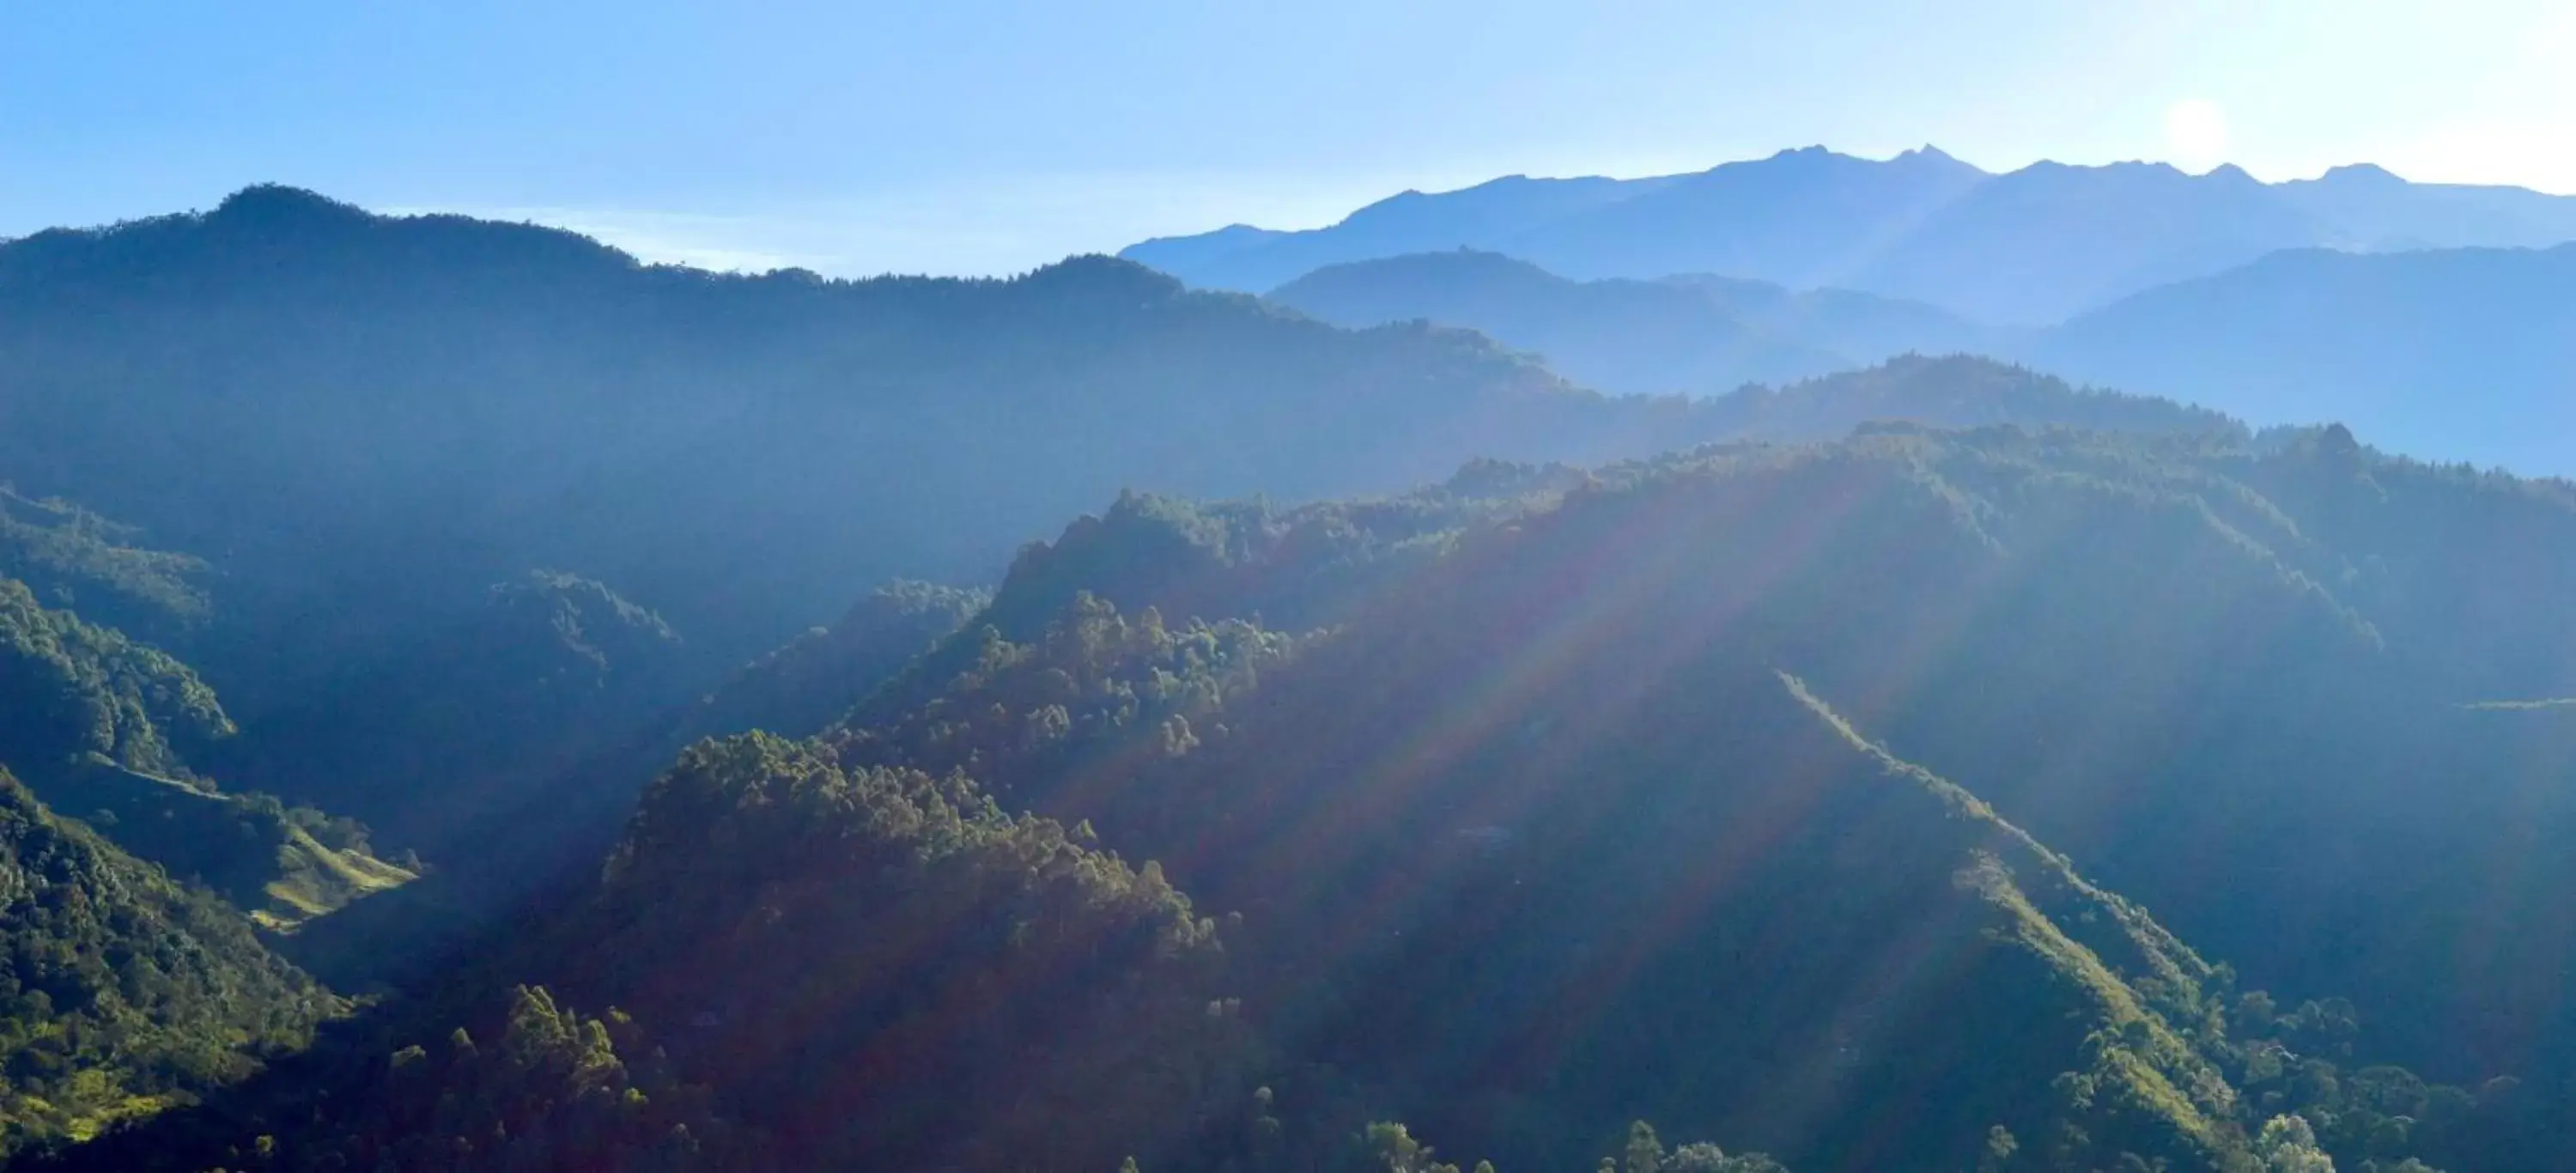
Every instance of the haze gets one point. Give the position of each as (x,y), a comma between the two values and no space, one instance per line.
(987,137)
(1331,588)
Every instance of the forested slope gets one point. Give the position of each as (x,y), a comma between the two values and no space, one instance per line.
(369,473)
(110,731)
(1837,787)
(326,435)
(1918,801)
(123,992)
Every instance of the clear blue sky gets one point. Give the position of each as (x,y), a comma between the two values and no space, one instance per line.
(976,136)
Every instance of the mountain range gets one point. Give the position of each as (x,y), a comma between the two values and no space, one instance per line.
(471,701)
(2457,354)
(2027,247)
(1694,335)
(388,445)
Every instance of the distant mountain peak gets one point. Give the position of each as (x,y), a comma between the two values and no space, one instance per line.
(1812,156)
(1941,165)
(2362,174)
(2036,245)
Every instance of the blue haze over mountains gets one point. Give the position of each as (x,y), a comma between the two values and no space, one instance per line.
(1757,734)
(2435,319)
(2027,247)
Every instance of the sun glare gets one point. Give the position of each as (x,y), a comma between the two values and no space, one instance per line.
(2196,133)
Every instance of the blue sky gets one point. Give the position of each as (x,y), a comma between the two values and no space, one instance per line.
(974,136)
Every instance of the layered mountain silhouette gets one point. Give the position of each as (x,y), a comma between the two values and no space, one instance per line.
(356,425)
(359,424)
(2458,354)
(1693,334)
(2451,354)
(2032,246)
(1931,765)
(1797,218)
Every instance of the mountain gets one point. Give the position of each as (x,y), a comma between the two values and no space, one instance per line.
(2461,354)
(2379,212)
(546,665)
(1680,335)
(283,866)
(2032,246)
(1912,801)
(339,431)
(362,375)
(1929,766)
(73,559)
(1722,338)
(1253,259)
(74,691)
(1864,326)
(105,729)
(326,436)
(2029,247)
(1427,803)
(1797,218)
(1952,392)
(824,673)
(124,993)
(1800,218)
(2455,354)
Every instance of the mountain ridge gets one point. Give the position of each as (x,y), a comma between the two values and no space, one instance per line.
(1923,767)
(1809,218)
(2451,354)
(1688,334)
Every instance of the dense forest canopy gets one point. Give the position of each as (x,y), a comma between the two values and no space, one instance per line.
(124,993)
(118,733)
(1417,759)
(325,435)
(1782,797)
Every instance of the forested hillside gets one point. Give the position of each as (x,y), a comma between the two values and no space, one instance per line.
(1917,801)
(122,994)
(71,558)
(363,423)
(381,478)
(109,731)
(2103,784)
(683,620)
(368,376)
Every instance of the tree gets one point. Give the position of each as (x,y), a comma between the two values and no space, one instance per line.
(2000,1147)
(1645,1152)
(2288,1145)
